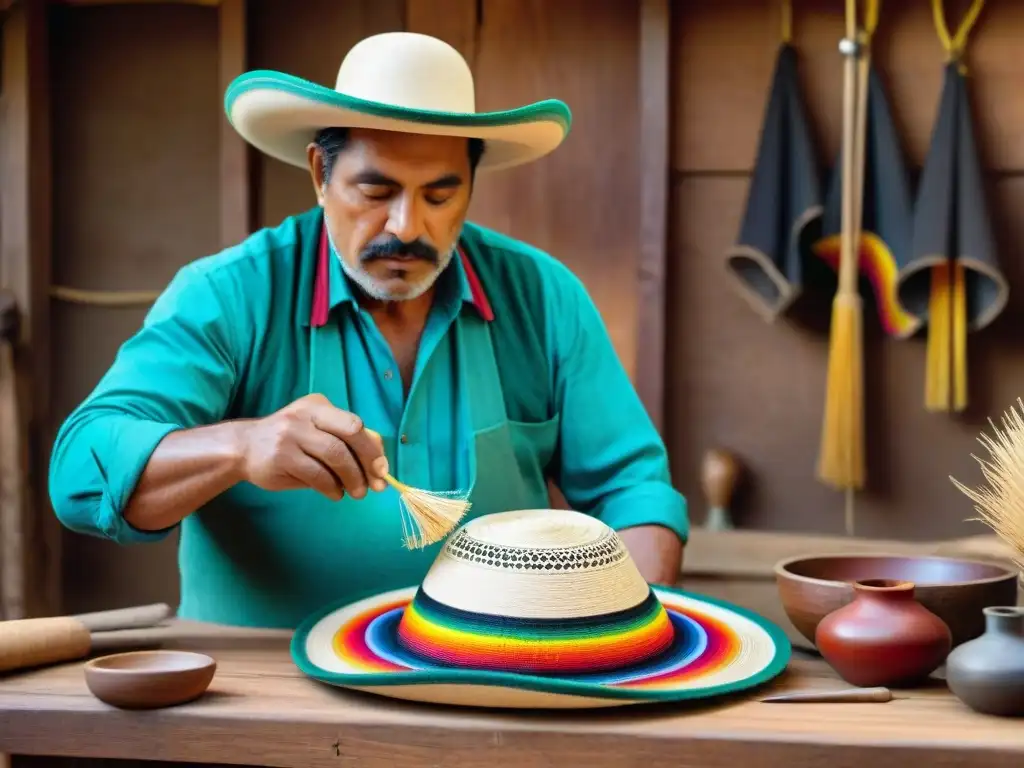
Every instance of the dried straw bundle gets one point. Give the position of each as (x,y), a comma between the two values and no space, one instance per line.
(1000,504)
(428,516)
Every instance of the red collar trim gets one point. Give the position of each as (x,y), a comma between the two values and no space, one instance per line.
(321,304)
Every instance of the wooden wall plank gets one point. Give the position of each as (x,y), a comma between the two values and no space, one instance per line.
(235,154)
(457,22)
(82,3)
(307,39)
(581,203)
(137,197)
(758,389)
(727,49)
(25,243)
(655,132)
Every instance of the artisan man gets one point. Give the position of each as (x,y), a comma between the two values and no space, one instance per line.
(247,408)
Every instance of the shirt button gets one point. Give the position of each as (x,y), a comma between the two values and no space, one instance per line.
(388,374)
(404,439)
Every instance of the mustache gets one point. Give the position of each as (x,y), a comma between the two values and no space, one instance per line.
(393,246)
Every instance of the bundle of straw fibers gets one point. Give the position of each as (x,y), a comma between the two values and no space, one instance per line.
(1000,504)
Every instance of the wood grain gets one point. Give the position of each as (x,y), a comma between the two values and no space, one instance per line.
(726,50)
(236,155)
(136,196)
(758,389)
(25,264)
(309,40)
(655,134)
(580,203)
(260,710)
(133,2)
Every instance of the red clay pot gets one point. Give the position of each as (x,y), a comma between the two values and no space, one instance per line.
(884,636)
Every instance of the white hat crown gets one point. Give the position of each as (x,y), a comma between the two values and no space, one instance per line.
(537,563)
(410,70)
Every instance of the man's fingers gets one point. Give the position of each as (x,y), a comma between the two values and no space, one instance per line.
(336,455)
(365,444)
(312,474)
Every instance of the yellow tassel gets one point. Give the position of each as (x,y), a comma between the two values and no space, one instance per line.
(937,365)
(959,312)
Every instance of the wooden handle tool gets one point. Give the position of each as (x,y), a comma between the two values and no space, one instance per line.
(846,695)
(32,642)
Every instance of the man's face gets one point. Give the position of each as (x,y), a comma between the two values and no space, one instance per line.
(395,204)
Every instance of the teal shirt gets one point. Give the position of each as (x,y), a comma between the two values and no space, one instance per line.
(516,381)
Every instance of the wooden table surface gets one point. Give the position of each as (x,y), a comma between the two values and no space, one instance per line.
(261,711)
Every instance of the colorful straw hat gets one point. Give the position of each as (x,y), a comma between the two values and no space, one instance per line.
(539,608)
(396,81)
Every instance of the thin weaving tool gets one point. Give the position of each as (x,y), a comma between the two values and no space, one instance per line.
(841,459)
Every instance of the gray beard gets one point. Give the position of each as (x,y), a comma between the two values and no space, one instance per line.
(369,284)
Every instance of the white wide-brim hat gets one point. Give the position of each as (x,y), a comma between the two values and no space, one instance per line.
(539,609)
(397,81)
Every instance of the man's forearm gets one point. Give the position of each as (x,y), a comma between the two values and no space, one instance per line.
(187,470)
(657,552)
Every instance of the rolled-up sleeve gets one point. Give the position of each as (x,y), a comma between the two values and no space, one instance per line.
(613,463)
(177,372)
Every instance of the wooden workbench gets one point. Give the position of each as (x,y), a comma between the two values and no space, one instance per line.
(261,711)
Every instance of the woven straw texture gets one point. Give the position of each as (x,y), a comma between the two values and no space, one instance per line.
(540,608)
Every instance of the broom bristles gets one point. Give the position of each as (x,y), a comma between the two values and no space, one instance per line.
(427,516)
(1000,504)
(841,461)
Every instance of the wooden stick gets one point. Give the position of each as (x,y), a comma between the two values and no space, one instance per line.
(79,3)
(844,696)
(104,298)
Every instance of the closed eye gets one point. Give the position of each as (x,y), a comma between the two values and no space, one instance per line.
(376,191)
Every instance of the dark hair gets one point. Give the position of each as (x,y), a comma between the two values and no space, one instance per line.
(331,141)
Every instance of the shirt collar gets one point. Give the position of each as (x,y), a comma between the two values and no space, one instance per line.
(331,287)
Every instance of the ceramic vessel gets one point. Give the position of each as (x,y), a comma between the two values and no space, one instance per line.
(149,679)
(987,674)
(884,636)
(720,472)
(954,589)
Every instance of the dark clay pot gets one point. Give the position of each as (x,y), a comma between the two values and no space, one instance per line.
(883,637)
(987,674)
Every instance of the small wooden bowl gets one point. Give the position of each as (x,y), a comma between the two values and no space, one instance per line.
(954,589)
(149,679)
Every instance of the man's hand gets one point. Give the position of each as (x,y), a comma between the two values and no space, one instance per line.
(657,552)
(311,444)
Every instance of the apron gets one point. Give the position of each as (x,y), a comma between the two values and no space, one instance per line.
(485,457)
(299,550)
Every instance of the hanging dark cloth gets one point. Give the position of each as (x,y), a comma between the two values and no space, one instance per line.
(952,277)
(783,204)
(887,210)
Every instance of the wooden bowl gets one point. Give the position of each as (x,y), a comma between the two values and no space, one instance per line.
(149,679)
(954,589)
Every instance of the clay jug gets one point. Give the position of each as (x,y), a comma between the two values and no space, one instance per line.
(884,636)
(987,673)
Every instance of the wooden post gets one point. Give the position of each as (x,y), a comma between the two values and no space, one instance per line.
(25,224)
(655,136)
(235,154)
